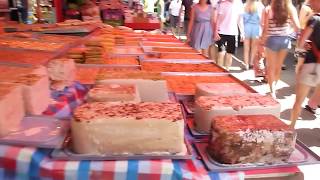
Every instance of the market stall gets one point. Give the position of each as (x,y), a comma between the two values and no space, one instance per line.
(167,80)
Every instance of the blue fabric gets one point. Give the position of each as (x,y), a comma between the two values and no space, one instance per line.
(132,170)
(277,43)
(177,172)
(84,169)
(37,157)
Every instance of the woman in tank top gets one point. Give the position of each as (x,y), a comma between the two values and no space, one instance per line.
(200,29)
(252,29)
(278,18)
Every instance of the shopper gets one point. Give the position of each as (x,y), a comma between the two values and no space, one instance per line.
(174,11)
(229,22)
(278,18)
(308,69)
(305,13)
(187,10)
(148,6)
(200,29)
(252,30)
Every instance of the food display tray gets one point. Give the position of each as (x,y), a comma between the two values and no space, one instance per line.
(181,95)
(301,156)
(180,61)
(188,104)
(193,132)
(148,50)
(67,154)
(39,131)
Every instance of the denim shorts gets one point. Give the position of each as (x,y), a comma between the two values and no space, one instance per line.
(277,43)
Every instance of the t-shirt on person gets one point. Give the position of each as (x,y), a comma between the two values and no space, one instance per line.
(228,14)
(314,23)
(174,7)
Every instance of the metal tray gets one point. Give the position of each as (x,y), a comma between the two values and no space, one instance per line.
(67,154)
(193,132)
(301,156)
(39,131)
(188,105)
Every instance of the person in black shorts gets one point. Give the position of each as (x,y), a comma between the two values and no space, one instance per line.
(308,68)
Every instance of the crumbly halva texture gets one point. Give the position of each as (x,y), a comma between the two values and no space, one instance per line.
(250,139)
(166,110)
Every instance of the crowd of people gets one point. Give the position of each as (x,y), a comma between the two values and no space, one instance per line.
(267,28)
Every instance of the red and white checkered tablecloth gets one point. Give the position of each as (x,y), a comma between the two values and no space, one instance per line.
(27,162)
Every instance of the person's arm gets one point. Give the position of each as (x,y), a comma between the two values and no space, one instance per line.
(301,45)
(214,21)
(304,15)
(240,21)
(295,19)
(264,24)
(216,28)
(190,25)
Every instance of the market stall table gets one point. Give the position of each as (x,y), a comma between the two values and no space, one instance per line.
(23,162)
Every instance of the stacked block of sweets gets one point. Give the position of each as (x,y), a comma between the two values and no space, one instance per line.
(11,108)
(77,54)
(95,51)
(208,107)
(114,93)
(250,139)
(61,73)
(34,85)
(128,128)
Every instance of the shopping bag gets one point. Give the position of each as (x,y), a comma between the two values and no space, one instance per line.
(258,62)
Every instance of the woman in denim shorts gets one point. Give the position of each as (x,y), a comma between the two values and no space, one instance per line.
(278,18)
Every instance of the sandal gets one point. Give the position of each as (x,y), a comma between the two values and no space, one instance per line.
(310,109)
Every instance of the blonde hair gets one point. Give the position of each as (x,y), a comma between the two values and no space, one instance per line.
(251,6)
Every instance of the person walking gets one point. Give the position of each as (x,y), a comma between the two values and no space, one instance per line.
(304,15)
(278,18)
(201,25)
(187,10)
(174,11)
(252,30)
(229,22)
(308,67)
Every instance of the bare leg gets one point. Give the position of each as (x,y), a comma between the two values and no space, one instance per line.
(228,61)
(301,93)
(279,62)
(271,58)
(205,52)
(314,101)
(221,58)
(213,53)
(254,48)
(246,51)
